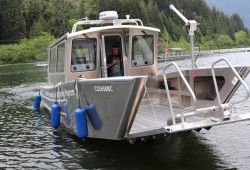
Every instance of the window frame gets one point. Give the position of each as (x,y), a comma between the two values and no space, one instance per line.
(64,57)
(141,61)
(52,67)
(84,64)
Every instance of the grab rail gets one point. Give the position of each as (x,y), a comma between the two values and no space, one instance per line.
(85,21)
(168,94)
(237,75)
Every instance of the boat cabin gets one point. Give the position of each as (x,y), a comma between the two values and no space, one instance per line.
(84,52)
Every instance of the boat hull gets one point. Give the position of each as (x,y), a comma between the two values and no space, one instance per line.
(116,102)
(138,107)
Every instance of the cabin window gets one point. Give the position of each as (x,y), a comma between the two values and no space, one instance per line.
(52,61)
(142,50)
(83,55)
(60,57)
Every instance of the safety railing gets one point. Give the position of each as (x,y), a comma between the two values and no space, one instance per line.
(194,100)
(230,105)
(85,21)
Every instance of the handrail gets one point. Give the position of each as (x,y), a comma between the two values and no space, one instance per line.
(168,94)
(239,78)
(85,21)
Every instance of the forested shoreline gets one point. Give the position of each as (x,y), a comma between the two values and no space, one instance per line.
(28,27)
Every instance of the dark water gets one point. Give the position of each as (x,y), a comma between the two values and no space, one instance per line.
(27,140)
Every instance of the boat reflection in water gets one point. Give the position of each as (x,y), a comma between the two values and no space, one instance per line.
(142,101)
(182,151)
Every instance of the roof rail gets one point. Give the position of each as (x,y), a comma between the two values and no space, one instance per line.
(85,21)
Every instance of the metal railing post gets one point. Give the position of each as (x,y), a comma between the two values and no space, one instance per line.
(168,93)
(236,74)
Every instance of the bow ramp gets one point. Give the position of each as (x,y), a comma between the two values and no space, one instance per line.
(194,99)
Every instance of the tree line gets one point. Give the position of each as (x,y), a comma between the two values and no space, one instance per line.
(29,19)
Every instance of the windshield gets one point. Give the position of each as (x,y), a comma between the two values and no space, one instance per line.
(142,50)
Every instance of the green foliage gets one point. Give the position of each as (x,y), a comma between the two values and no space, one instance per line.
(224,41)
(242,39)
(31,18)
(27,50)
(182,43)
(39,27)
(12,21)
(208,43)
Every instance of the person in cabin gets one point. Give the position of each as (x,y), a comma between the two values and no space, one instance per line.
(114,63)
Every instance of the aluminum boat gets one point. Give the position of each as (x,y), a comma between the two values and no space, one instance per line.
(143,102)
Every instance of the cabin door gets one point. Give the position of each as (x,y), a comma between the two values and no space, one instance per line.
(112,58)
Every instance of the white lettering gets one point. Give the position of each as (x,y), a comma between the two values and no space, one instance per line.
(103,88)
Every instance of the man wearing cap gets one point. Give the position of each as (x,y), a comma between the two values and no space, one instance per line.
(114,63)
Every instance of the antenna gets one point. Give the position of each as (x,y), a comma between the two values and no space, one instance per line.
(191,26)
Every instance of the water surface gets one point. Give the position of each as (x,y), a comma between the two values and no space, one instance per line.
(27,140)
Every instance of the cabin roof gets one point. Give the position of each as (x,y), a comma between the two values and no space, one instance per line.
(103,28)
(109,21)
(110,27)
